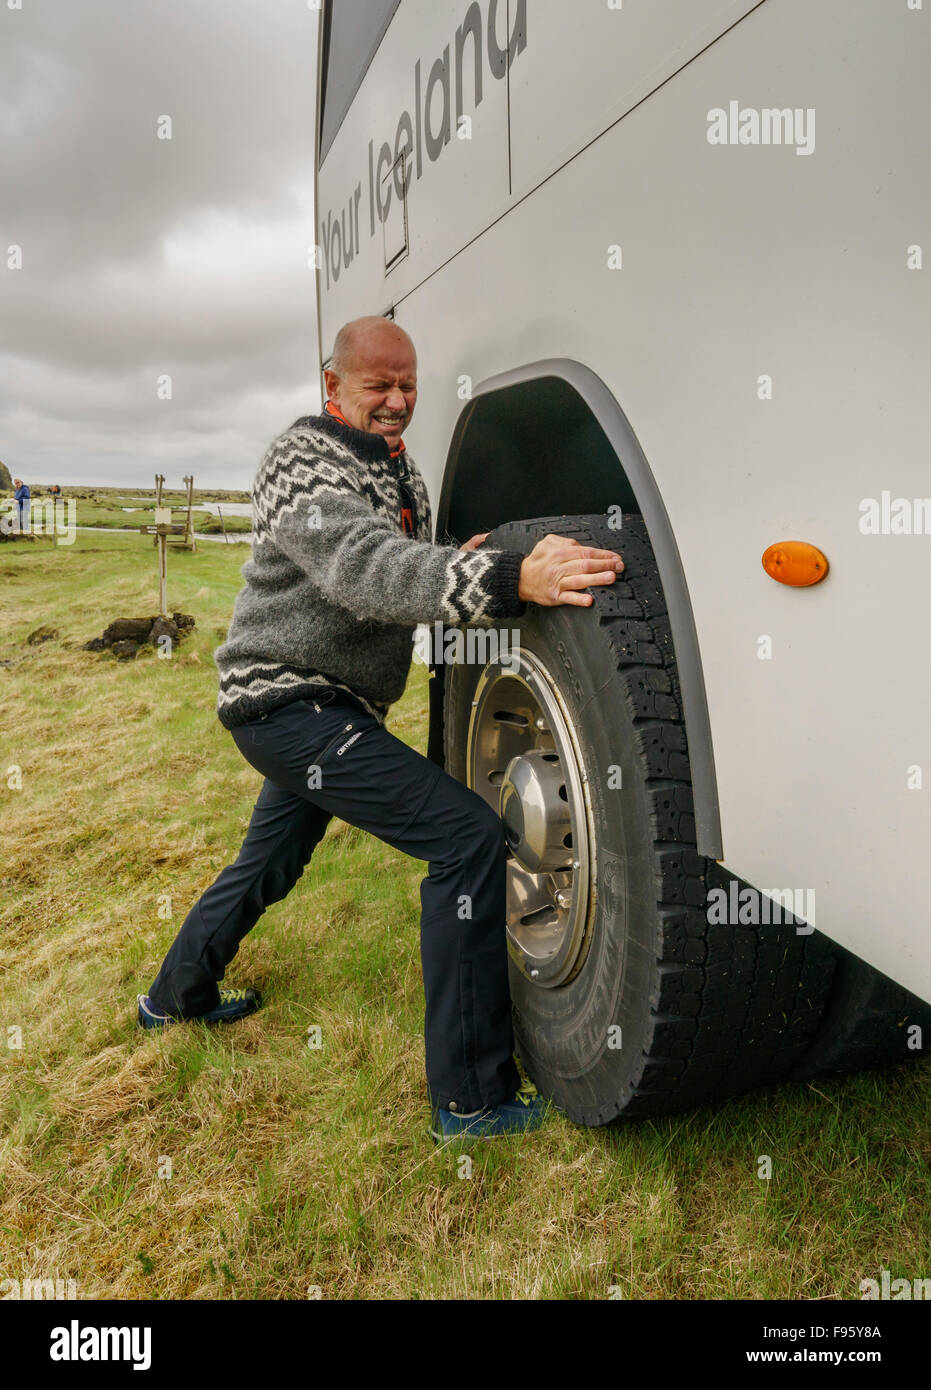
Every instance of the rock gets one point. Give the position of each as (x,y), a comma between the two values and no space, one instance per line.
(121,629)
(125,650)
(164,627)
(42,634)
(125,636)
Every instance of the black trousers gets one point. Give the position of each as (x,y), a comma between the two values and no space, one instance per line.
(330,757)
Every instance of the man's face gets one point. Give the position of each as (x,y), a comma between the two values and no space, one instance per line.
(378,390)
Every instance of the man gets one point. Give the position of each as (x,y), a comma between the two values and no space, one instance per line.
(343,568)
(21,497)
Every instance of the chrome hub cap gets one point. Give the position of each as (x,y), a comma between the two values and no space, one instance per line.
(523,759)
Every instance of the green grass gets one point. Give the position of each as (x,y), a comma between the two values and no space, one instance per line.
(294,1167)
(105,507)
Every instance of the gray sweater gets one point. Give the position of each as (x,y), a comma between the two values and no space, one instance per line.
(334,589)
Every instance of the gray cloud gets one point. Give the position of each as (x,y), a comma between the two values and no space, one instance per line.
(144,257)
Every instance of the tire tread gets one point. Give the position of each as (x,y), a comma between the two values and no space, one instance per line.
(733,1008)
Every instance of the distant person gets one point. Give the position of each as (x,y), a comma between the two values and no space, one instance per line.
(21,497)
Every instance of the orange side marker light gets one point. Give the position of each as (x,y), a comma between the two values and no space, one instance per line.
(796,563)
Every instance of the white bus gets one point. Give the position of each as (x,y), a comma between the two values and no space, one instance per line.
(662,264)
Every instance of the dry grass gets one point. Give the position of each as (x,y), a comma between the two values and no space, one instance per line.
(291,1167)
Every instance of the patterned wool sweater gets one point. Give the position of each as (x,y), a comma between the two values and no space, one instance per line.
(334,589)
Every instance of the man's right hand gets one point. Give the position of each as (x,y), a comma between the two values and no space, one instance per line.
(558,567)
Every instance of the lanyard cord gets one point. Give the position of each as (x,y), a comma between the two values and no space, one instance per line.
(408,506)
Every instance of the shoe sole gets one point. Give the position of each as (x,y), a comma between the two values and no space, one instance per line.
(169,1022)
(465,1137)
(233,1018)
(477,1137)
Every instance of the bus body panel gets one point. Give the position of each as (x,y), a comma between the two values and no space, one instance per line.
(742,264)
(584,66)
(452,188)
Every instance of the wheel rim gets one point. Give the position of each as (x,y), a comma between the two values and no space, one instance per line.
(523,759)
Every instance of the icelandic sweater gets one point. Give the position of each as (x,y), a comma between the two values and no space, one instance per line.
(334,588)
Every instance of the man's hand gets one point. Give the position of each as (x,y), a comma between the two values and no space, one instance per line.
(475,542)
(558,567)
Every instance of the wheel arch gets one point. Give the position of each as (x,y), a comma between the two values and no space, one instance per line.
(528,420)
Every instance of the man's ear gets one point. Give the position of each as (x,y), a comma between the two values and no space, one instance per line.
(331,381)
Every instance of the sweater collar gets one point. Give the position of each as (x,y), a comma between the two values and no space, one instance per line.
(370,447)
(334,410)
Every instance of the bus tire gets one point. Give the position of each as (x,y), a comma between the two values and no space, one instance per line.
(870,1021)
(663,1011)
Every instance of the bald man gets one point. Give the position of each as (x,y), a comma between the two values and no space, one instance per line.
(320,644)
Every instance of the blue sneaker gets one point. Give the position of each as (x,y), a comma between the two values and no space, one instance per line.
(526,1111)
(234,1003)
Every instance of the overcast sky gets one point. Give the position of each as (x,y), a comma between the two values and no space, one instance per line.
(144,256)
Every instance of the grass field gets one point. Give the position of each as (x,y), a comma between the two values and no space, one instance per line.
(106,507)
(295,1170)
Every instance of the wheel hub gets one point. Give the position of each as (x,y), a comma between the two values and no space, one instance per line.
(523,759)
(537,824)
